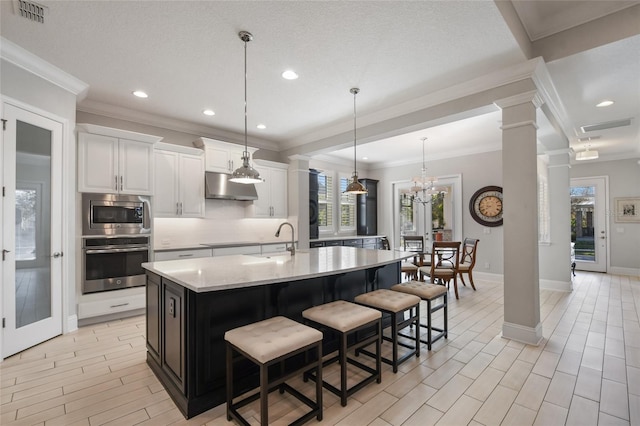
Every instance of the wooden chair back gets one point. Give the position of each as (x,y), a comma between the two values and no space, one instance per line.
(413,243)
(468,252)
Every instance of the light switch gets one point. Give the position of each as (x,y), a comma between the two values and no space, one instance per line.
(487,230)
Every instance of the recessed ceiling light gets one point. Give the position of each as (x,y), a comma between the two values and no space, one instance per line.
(605,104)
(365,158)
(289,75)
(261,126)
(208,112)
(140,94)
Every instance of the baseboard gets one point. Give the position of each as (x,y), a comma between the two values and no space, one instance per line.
(72,323)
(632,272)
(486,276)
(566,286)
(110,317)
(520,333)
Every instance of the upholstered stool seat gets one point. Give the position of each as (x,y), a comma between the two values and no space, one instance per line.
(409,269)
(395,304)
(265,343)
(346,319)
(428,293)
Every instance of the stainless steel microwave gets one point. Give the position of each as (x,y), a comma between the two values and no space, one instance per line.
(113,214)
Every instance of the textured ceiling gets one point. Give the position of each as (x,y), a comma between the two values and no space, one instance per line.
(188,57)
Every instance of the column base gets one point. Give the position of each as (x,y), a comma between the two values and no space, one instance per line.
(520,333)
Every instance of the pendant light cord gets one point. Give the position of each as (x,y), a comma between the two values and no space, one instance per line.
(246,149)
(355,170)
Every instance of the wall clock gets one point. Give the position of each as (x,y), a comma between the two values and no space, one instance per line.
(485,206)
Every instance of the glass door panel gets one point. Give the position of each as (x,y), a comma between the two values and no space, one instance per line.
(588,223)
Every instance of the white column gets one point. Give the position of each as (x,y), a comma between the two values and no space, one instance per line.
(556,255)
(299,197)
(520,191)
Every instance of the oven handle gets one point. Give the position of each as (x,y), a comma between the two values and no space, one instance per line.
(91,251)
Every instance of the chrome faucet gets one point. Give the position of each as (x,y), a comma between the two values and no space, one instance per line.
(292,249)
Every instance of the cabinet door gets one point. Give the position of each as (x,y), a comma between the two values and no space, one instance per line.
(97,163)
(165,200)
(217,159)
(173,344)
(135,167)
(191,185)
(278,188)
(262,206)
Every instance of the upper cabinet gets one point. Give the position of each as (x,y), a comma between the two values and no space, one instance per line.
(221,156)
(115,161)
(179,181)
(272,193)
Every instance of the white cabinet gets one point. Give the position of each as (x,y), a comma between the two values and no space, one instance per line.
(227,251)
(179,181)
(272,193)
(115,161)
(181,254)
(221,156)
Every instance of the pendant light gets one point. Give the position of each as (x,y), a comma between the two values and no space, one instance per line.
(245,174)
(354,186)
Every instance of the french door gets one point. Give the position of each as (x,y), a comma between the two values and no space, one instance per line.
(31,229)
(589,223)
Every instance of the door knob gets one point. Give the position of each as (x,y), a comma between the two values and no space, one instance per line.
(56,255)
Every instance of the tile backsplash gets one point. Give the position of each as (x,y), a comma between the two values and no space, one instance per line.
(224,222)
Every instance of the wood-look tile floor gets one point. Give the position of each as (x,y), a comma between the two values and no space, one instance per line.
(586,371)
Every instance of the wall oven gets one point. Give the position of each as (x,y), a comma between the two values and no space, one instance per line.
(113,214)
(113,263)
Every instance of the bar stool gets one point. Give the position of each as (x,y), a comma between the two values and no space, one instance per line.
(395,304)
(428,293)
(266,343)
(346,319)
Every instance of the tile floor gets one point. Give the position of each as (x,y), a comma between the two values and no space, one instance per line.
(586,371)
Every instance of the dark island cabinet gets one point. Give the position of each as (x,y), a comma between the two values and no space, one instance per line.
(185,329)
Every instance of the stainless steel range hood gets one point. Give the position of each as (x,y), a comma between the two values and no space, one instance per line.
(217,186)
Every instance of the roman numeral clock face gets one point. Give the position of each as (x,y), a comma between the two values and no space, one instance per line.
(485,206)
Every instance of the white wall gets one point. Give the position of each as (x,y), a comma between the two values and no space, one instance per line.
(624,238)
(477,171)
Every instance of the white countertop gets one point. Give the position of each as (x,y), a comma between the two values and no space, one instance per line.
(238,271)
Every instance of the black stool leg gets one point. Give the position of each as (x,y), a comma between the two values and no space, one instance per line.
(343,369)
(264,395)
(229,381)
(319,383)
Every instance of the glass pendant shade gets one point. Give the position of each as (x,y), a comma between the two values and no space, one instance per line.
(354,186)
(245,174)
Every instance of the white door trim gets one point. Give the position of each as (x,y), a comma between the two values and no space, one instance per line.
(60,132)
(602,217)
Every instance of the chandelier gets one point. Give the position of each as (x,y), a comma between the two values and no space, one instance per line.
(423,186)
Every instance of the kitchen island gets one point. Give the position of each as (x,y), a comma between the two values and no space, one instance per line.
(191,304)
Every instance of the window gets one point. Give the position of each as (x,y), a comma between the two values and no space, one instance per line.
(347,207)
(544,226)
(325,202)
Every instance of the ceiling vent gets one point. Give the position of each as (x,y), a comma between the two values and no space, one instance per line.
(32,11)
(605,126)
(590,138)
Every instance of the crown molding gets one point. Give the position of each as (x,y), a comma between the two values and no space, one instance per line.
(122,113)
(12,53)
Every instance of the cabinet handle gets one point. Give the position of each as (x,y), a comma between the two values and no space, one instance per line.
(177,208)
(119,305)
(120,182)
(180,208)
(116,182)
(185,255)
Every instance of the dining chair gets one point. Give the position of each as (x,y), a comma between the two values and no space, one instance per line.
(444,263)
(468,259)
(413,243)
